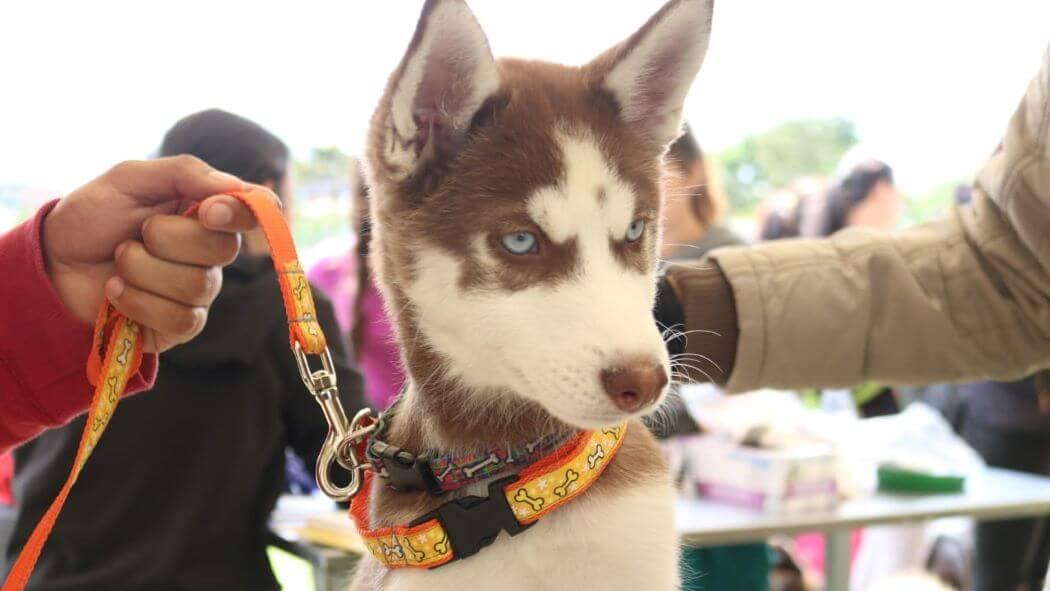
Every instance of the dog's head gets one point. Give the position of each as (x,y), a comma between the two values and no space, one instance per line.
(516,207)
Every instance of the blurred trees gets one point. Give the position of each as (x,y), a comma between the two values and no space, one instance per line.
(324,164)
(772,159)
(935,204)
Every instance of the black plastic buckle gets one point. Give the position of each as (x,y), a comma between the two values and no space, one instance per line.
(474,522)
(404,470)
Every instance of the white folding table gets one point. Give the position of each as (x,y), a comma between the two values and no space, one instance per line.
(998,494)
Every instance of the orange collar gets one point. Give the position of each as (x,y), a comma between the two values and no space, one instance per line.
(462,527)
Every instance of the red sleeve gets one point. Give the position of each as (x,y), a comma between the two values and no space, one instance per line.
(43,349)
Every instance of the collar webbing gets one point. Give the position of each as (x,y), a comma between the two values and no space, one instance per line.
(460,528)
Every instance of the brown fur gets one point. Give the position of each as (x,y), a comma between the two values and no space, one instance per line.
(471,191)
(476,181)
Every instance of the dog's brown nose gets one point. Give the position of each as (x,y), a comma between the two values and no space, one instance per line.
(634,385)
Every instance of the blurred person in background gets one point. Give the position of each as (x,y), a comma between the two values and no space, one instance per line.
(776,216)
(179,492)
(782,213)
(864,197)
(1008,424)
(347,280)
(694,206)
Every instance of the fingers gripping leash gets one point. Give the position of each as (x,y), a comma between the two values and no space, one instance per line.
(117,354)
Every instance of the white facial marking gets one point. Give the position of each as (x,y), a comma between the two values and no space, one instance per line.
(549,343)
(572,207)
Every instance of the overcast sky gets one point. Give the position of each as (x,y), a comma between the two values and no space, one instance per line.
(929,83)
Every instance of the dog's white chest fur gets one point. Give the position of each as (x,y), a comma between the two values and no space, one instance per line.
(620,541)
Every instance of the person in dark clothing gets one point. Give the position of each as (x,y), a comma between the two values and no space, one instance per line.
(1006,424)
(179,491)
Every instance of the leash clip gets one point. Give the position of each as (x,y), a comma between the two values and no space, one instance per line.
(346,439)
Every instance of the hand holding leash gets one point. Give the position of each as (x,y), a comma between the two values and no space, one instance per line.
(119,344)
(119,238)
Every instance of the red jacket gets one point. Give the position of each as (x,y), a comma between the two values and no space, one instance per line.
(43,350)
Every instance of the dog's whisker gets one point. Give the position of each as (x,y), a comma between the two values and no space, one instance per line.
(701,357)
(698,370)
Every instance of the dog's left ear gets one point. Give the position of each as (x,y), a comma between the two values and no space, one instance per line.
(445,77)
(649,74)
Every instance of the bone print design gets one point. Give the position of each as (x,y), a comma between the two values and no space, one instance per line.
(492,460)
(416,554)
(523,497)
(393,550)
(448,470)
(300,284)
(126,347)
(530,447)
(442,546)
(597,456)
(571,476)
(311,324)
(614,431)
(111,389)
(530,498)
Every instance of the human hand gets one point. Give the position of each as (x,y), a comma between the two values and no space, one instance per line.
(120,237)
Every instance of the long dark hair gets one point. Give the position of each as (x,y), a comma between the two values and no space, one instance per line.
(229,143)
(850,192)
(362,226)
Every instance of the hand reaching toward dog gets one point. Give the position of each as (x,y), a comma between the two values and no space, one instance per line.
(121,237)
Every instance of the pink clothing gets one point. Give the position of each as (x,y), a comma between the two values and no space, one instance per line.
(379,359)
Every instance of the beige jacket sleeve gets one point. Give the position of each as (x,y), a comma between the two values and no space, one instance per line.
(963,299)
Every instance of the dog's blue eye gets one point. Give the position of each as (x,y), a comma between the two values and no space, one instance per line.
(634,231)
(519,242)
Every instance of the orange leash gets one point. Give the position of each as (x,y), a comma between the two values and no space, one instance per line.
(117,355)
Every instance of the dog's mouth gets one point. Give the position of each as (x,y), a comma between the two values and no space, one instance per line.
(605,413)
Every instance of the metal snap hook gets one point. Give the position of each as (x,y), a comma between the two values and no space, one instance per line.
(345,438)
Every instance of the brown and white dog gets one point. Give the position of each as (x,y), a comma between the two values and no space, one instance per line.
(515,209)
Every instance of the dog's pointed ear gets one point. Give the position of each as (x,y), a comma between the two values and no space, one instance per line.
(445,77)
(649,74)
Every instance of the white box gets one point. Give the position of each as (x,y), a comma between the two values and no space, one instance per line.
(795,479)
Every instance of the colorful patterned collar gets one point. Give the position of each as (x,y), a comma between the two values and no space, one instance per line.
(442,473)
(462,527)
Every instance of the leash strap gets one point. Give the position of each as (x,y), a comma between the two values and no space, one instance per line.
(117,354)
(460,528)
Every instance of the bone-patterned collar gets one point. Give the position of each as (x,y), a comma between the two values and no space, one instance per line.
(451,471)
(461,527)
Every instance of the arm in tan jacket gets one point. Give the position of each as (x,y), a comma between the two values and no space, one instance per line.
(964,299)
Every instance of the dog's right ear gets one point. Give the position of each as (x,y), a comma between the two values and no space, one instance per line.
(446,75)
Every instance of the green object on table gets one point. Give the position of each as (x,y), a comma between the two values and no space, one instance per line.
(898,479)
(292,572)
(740,567)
